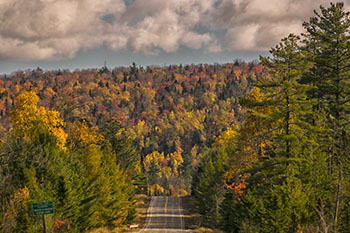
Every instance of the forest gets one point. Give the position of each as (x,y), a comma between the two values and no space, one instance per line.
(261,146)
(286,166)
(67,135)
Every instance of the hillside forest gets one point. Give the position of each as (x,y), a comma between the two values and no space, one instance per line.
(260,146)
(72,137)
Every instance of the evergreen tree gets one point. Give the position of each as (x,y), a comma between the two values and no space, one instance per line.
(126,155)
(275,200)
(88,187)
(327,36)
(287,96)
(208,187)
(209,179)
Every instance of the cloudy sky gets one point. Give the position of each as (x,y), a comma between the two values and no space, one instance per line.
(74,34)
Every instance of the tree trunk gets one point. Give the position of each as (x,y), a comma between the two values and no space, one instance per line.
(337,203)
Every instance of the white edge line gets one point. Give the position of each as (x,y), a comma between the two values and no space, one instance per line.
(149,214)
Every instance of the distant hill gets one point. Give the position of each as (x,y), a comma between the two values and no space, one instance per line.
(163,109)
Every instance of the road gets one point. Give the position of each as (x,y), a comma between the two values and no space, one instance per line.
(165,215)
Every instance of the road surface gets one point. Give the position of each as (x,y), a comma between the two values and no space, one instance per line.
(164,215)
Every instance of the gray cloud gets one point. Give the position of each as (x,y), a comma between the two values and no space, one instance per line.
(256,25)
(50,29)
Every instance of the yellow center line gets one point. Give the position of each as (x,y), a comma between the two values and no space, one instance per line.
(166,204)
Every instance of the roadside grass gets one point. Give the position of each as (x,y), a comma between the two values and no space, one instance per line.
(206,230)
(142,202)
(106,230)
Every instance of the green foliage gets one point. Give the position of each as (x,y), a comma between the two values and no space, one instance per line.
(328,35)
(292,155)
(208,186)
(209,180)
(84,180)
(287,97)
(275,199)
(125,153)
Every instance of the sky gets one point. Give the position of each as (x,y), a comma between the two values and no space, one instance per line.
(79,34)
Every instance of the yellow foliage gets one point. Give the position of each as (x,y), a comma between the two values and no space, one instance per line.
(148,93)
(21,196)
(172,116)
(171,189)
(82,132)
(155,156)
(196,124)
(178,77)
(194,151)
(189,115)
(18,202)
(27,115)
(166,172)
(155,189)
(140,128)
(157,129)
(252,141)
(176,160)
(183,193)
(225,139)
(18,88)
(125,96)
(160,189)
(151,190)
(209,97)
(255,94)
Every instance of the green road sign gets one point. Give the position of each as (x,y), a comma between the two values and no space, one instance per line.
(42,208)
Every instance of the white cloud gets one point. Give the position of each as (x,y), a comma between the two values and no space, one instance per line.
(51,29)
(195,41)
(257,25)
(47,29)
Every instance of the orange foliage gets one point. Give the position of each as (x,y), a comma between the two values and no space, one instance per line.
(237,188)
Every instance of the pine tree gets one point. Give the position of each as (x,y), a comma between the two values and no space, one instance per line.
(275,200)
(328,38)
(208,187)
(284,92)
(126,155)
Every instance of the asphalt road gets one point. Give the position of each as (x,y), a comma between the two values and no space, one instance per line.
(165,215)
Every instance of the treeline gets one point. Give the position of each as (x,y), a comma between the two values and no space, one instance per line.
(287,167)
(171,114)
(90,173)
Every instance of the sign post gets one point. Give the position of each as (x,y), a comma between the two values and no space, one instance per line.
(42,208)
(44,223)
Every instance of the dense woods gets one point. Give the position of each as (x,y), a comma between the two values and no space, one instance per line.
(89,140)
(288,168)
(77,166)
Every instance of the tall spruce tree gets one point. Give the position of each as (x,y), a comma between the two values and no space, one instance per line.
(327,37)
(287,95)
(275,200)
